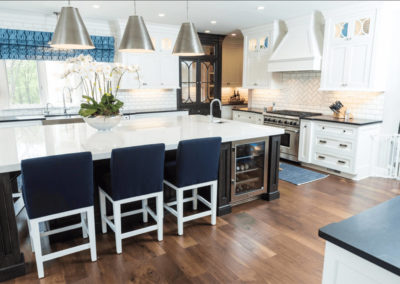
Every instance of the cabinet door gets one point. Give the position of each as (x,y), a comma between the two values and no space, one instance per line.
(169,71)
(129,80)
(335,70)
(360,52)
(150,71)
(252,67)
(305,141)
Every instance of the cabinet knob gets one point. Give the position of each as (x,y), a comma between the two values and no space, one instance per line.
(344,130)
(344,84)
(144,84)
(305,126)
(323,127)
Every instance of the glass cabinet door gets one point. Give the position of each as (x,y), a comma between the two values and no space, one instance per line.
(249,165)
(188,79)
(207,82)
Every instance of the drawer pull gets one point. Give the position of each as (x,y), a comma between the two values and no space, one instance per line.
(341,162)
(322,141)
(343,145)
(321,157)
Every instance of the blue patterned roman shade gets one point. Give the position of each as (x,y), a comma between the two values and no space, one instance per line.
(34,45)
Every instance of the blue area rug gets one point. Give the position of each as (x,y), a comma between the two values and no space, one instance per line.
(297,175)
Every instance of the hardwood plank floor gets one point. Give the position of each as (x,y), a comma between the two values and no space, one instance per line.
(260,242)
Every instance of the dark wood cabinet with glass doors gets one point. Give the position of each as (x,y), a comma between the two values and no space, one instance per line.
(200,77)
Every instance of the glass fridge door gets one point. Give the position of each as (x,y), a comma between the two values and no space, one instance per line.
(249,167)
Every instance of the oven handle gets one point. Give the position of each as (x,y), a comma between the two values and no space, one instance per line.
(293,130)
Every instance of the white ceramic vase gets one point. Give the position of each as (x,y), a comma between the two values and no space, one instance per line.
(103,123)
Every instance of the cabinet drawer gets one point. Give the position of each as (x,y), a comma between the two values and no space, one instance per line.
(334,145)
(335,130)
(333,162)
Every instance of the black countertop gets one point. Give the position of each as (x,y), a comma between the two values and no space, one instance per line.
(16,118)
(373,235)
(354,121)
(247,109)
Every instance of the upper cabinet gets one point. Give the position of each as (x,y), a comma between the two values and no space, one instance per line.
(259,44)
(232,60)
(158,70)
(355,50)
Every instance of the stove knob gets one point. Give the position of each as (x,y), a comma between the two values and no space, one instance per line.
(294,123)
(279,121)
(274,120)
(291,123)
(286,122)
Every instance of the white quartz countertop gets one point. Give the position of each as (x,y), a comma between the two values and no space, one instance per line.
(18,143)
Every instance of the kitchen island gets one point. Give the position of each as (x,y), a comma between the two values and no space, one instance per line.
(18,143)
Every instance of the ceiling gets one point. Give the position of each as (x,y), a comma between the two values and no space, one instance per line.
(229,15)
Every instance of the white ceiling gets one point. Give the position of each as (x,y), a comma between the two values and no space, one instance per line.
(230,15)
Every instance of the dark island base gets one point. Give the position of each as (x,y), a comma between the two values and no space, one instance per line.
(12,262)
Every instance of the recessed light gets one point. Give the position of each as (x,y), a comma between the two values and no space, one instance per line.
(207,31)
(161,14)
(96,6)
(213,22)
(260,8)
(233,34)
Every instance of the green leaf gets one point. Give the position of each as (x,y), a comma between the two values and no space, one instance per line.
(87,112)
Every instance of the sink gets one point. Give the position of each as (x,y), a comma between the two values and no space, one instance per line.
(61,116)
(220,121)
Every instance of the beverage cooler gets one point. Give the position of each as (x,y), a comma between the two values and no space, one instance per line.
(249,169)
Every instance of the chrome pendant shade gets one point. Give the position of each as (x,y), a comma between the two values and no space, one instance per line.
(188,42)
(136,38)
(70,32)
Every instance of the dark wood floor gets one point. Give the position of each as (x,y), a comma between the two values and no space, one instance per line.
(260,242)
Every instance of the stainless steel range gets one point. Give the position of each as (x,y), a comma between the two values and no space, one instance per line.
(290,121)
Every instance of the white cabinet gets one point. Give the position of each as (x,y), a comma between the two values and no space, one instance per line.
(337,147)
(355,50)
(305,141)
(250,117)
(259,43)
(158,70)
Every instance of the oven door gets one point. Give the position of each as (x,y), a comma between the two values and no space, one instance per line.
(290,143)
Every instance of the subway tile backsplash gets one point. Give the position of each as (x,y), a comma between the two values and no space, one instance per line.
(300,92)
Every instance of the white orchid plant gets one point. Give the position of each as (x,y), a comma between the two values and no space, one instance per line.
(100,83)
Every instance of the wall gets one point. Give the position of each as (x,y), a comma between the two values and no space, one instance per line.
(155,99)
(300,92)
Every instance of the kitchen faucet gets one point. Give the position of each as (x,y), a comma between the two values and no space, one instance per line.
(211,105)
(70,96)
(46,110)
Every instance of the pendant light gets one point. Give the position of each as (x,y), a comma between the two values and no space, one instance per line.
(188,42)
(136,38)
(70,32)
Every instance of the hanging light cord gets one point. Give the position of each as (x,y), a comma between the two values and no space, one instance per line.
(69,3)
(187,10)
(134,7)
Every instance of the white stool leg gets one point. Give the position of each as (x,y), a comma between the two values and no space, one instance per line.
(214,203)
(84,225)
(194,193)
(117,223)
(38,248)
(145,213)
(92,233)
(179,207)
(103,212)
(30,234)
(160,215)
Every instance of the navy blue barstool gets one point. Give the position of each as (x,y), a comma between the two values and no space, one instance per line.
(55,187)
(136,174)
(196,166)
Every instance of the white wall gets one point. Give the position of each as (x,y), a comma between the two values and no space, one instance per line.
(300,92)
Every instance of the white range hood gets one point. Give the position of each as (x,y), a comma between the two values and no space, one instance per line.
(301,48)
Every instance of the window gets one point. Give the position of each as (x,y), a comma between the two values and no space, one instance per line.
(22,82)
(30,83)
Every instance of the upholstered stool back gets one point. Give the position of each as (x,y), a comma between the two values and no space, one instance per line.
(137,171)
(197,161)
(57,184)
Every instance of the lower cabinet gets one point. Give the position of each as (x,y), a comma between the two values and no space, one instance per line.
(337,147)
(250,117)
